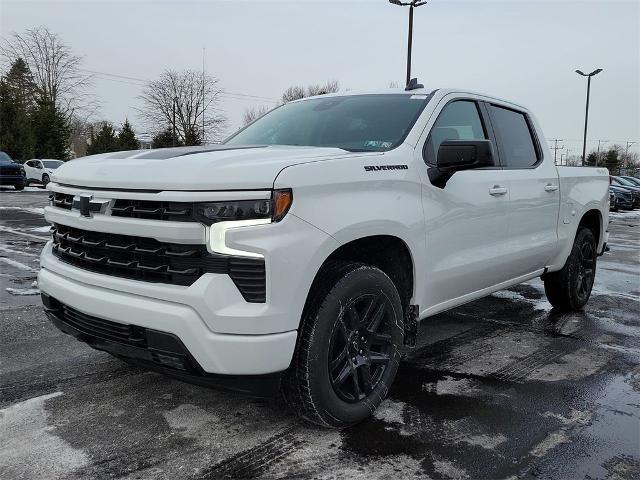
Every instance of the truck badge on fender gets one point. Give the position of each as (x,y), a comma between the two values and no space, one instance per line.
(375,168)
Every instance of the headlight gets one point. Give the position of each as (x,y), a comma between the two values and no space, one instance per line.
(223,216)
(274,208)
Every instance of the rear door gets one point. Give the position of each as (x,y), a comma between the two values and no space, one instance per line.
(534,190)
(466,221)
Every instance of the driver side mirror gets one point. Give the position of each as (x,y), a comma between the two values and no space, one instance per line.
(456,155)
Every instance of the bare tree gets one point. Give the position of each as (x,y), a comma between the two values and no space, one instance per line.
(192,93)
(254,113)
(294,92)
(55,69)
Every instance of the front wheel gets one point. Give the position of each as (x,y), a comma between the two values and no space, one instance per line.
(347,354)
(570,288)
(45,180)
(19,186)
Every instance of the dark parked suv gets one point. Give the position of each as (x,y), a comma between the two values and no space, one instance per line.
(11,173)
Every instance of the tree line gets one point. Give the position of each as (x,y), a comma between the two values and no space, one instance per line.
(615,158)
(46,110)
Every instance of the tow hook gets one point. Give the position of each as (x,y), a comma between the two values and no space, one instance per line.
(411,325)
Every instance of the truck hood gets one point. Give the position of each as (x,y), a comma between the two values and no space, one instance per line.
(209,167)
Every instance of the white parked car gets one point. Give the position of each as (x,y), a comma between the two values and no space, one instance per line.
(40,170)
(304,250)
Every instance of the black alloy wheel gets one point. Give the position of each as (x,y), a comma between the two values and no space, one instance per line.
(360,347)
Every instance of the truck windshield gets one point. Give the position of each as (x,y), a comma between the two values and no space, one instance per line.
(357,123)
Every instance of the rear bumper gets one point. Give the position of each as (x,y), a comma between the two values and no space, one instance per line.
(159,351)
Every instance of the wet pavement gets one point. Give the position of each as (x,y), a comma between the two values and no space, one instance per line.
(504,387)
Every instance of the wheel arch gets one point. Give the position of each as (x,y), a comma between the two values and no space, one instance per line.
(389,253)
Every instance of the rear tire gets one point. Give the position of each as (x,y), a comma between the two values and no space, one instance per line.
(570,288)
(347,354)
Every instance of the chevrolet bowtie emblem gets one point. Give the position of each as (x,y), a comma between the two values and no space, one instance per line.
(87,206)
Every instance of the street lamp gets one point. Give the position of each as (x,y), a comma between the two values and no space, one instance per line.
(586,115)
(411,4)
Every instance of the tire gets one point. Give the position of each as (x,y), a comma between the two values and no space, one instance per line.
(19,186)
(356,313)
(45,180)
(570,288)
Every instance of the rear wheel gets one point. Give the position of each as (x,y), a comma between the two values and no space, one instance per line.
(570,288)
(19,186)
(348,347)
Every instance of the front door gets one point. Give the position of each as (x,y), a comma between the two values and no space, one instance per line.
(467,220)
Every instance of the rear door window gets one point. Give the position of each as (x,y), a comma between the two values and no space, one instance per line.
(516,141)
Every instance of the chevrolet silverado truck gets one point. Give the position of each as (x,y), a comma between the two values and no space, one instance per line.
(301,254)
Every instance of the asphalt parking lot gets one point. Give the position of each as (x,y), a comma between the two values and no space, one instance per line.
(504,387)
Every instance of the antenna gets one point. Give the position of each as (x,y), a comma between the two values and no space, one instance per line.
(413,85)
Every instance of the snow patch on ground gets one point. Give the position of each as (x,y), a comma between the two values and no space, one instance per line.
(390,411)
(28,449)
(190,420)
(35,210)
(17,252)
(16,264)
(538,304)
(45,229)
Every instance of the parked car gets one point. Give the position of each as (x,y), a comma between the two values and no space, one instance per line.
(623,199)
(630,187)
(41,170)
(11,173)
(304,250)
(634,180)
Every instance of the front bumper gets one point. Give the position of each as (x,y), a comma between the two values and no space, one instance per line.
(217,353)
(159,351)
(12,179)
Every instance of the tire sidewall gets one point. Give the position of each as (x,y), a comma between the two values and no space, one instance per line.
(354,284)
(584,235)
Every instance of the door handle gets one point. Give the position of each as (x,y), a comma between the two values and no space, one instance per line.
(497,190)
(549,187)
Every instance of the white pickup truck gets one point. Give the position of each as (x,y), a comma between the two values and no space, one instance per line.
(302,252)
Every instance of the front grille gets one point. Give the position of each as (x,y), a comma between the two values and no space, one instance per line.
(61,200)
(153,210)
(149,260)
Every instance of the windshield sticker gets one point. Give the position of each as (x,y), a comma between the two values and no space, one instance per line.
(377,144)
(418,97)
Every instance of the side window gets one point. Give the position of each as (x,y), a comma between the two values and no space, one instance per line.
(458,120)
(518,149)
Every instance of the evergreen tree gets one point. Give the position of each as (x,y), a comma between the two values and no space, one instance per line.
(591,159)
(51,130)
(16,106)
(612,161)
(164,139)
(127,138)
(104,141)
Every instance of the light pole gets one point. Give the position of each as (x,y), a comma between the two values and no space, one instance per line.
(598,153)
(411,4)
(586,115)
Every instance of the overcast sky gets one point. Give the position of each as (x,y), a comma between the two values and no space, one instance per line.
(525,51)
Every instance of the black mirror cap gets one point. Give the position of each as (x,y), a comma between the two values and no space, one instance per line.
(456,155)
